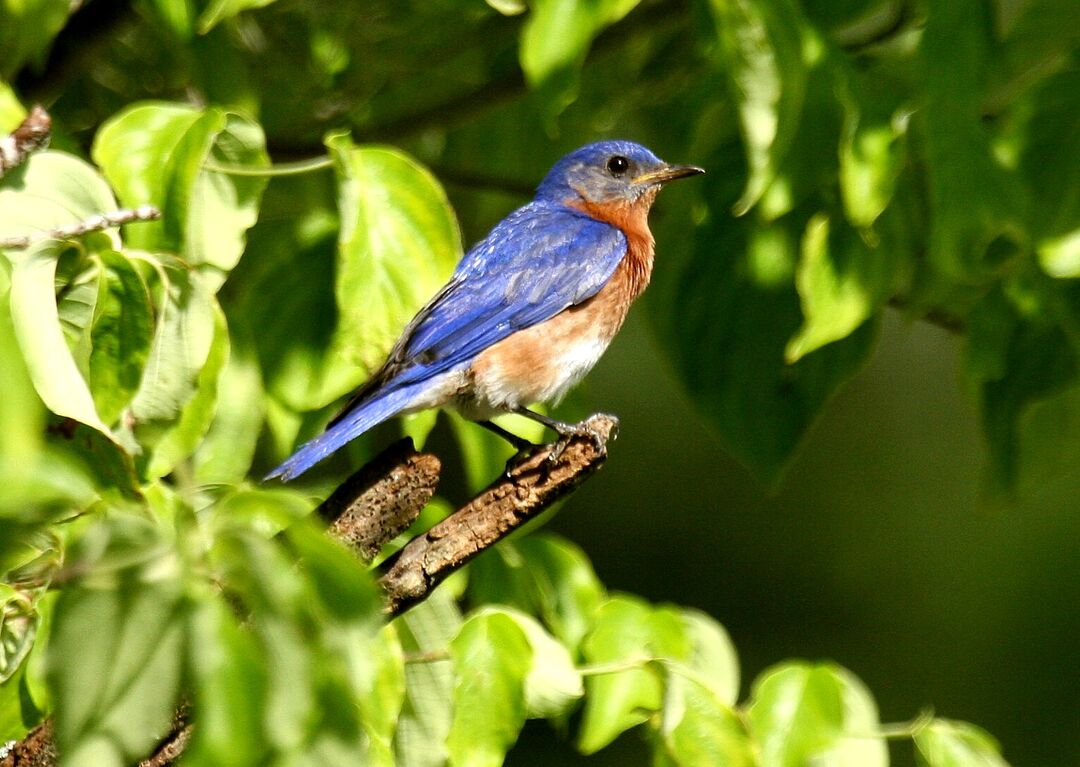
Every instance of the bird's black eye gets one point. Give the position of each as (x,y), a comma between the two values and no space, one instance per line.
(618,165)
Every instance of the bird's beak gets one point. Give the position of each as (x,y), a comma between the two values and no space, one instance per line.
(668,173)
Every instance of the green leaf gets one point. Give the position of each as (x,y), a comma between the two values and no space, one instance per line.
(398,244)
(227,452)
(491,656)
(762,49)
(21,412)
(36,319)
(975,202)
(556,37)
(115,654)
(1015,356)
(627,631)
(801,713)
(229,682)
(421,737)
(712,655)
(270,301)
(946,743)
(509,7)
(154,153)
(27,29)
(570,594)
(182,343)
(120,338)
(220,10)
(51,190)
(842,282)
(180,441)
(553,684)
(543,575)
(732,362)
(872,150)
(1051,165)
(696,728)
(382,696)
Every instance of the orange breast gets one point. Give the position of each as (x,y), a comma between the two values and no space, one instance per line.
(541,363)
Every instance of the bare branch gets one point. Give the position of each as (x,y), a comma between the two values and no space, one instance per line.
(31,136)
(92,224)
(531,487)
(382,499)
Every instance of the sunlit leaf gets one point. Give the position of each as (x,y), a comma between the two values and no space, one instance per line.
(491,656)
(182,343)
(762,47)
(842,282)
(712,656)
(220,10)
(121,335)
(552,684)
(51,190)
(226,453)
(52,367)
(696,728)
(155,153)
(180,440)
(398,243)
(556,37)
(945,743)
(426,713)
(802,713)
(626,634)
(115,654)
(230,688)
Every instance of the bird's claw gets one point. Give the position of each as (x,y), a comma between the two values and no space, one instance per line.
(587,428)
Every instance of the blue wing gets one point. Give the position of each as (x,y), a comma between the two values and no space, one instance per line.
(538,261)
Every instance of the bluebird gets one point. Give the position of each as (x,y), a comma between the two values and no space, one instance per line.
(529,309)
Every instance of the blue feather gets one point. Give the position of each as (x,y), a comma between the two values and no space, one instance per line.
(364,415)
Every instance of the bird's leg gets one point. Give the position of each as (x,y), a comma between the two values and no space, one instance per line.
(521,445)
(566,432)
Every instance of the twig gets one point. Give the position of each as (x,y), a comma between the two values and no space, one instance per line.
(86,226)
(531,487)
(32,135)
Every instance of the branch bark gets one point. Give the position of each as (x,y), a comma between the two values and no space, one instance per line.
(371,508)
(530,487)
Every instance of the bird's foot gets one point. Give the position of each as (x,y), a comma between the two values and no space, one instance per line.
(600,428)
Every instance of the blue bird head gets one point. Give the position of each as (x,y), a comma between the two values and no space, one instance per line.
(609,172)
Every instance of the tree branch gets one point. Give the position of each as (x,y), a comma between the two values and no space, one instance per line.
(32,135)
(381,500)
(530,488)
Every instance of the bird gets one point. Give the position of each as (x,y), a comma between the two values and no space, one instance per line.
(529,309)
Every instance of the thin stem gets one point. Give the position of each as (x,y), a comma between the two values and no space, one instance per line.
(434,656)
(281,169)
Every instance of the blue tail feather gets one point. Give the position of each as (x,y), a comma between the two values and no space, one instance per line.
(364,415)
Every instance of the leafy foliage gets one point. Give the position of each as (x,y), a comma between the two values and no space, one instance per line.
(860,154)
